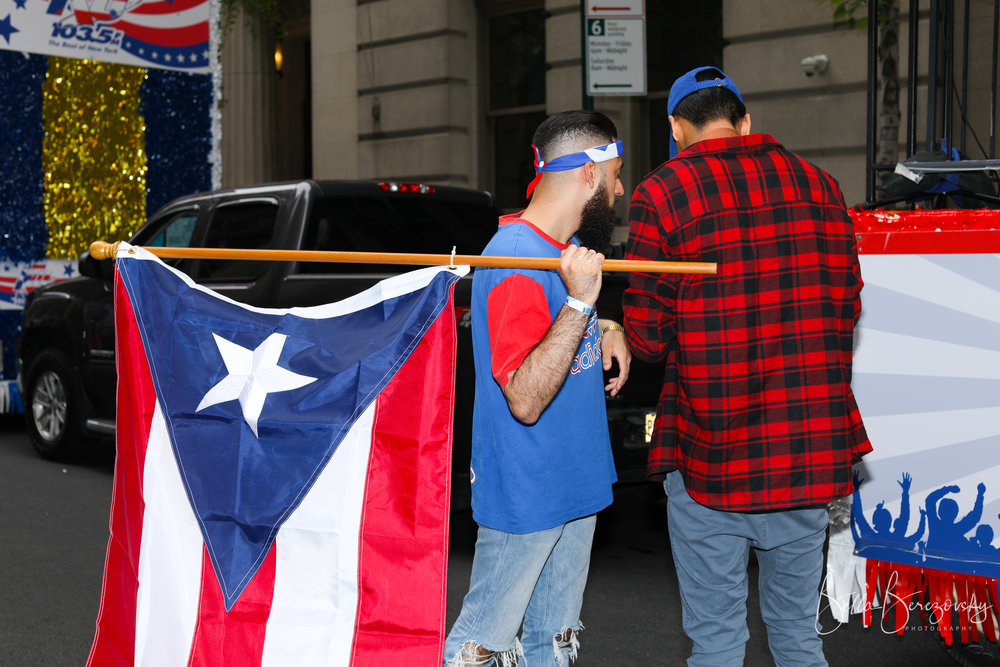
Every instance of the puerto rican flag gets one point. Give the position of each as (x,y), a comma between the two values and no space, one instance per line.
(281,485)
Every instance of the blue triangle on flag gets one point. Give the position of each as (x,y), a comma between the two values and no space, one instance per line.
(242,485)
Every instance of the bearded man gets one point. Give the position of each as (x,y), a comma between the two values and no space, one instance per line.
(541,455)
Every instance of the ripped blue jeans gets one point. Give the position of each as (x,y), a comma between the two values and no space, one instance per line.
(534,578)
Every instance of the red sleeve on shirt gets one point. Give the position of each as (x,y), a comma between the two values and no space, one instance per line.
(518,318)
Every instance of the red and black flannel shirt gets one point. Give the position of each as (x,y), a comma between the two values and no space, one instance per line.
(756,410)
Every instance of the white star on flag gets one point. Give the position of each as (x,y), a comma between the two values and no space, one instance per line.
(253,374)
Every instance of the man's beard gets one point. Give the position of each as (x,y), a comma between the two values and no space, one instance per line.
(597,222)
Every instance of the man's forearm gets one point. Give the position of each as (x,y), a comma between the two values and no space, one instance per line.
(538,379)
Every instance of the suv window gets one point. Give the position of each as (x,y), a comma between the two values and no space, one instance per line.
(416,224)
(177,231)
(249,225)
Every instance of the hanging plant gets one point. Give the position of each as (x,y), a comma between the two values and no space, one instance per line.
(270,10)
(846,12)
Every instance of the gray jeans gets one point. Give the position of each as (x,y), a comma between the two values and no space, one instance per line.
(711,550)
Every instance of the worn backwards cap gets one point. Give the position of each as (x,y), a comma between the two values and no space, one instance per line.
(687,84)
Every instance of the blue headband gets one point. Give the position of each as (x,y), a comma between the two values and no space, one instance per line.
(574,160)
(687,84)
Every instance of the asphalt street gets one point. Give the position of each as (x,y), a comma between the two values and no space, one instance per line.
(55,519)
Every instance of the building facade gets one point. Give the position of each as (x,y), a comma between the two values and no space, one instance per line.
(449,91)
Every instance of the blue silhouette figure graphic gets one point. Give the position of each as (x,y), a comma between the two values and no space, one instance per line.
(983,540)
(946,531)
(883,530)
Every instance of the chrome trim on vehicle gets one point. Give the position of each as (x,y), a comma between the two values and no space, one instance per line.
(102,426)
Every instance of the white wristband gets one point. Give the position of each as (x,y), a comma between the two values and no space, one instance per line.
(576,304)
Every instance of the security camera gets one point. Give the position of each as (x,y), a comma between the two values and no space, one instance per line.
(815,64)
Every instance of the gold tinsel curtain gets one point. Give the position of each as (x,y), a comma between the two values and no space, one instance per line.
(94,154)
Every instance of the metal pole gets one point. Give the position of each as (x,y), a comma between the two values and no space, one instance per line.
(872,104)
(965,78)
(911,82)
(932,71)
(949,73)
(588,101)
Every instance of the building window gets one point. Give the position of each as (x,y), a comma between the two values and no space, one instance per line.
(679,37)
(515,98)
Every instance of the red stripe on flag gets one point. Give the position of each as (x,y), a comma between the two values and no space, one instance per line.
(175,7)
(403,560)
(237,637)
(186,36)
(114,640)
(87,18)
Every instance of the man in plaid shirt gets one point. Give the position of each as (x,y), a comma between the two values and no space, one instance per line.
(757,427)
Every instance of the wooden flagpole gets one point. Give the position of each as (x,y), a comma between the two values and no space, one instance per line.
(105,250)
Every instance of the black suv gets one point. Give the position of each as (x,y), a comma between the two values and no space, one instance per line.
(66,350)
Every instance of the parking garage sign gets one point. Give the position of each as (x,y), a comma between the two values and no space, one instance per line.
(615,52)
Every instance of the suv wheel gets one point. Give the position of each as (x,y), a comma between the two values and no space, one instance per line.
(51,406)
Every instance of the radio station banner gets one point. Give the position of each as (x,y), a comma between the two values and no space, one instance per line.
(166,34)
(17,279)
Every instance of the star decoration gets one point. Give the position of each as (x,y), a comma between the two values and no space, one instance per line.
(20,4)
(6,29)
(253,374)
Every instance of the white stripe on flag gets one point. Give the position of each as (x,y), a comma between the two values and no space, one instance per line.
(169,561)
(389,288)
(316,575)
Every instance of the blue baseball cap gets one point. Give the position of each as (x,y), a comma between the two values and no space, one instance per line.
(687,84)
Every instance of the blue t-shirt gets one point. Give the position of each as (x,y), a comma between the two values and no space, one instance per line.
(532,477)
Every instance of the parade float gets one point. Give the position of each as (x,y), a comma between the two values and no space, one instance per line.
(914,549)
(106,114)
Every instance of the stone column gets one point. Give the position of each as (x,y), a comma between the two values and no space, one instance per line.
(248,111)
(334,28)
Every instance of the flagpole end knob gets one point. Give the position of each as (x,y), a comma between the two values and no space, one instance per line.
(104,250)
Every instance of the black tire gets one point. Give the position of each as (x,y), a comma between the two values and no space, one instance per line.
(52,408)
